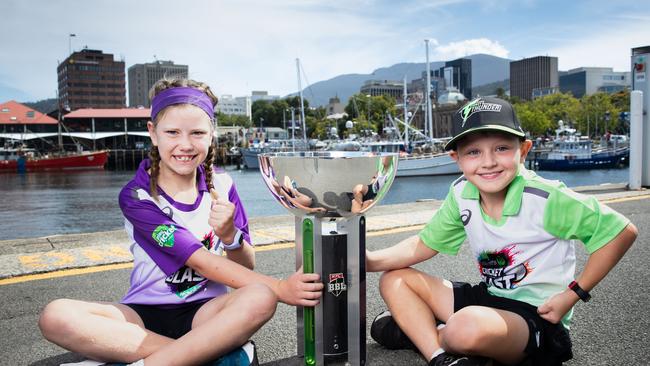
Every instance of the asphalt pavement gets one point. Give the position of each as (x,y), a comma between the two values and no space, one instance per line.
(612,329)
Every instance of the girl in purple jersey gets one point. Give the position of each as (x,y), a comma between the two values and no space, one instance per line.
(181,215)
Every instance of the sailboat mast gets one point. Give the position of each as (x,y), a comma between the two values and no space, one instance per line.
(406,116)
(302,102)
(428,96)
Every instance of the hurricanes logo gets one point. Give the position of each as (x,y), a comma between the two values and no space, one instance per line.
(465,215)
(336,284)
(164,235)
(475,106)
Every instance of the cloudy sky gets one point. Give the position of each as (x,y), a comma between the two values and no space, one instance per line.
(239,46)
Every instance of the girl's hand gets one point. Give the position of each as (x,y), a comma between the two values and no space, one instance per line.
(554,308)
(300,289)
(221,218)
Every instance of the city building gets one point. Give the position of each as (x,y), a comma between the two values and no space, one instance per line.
(17,120)
(91,79)
(334,106)
(538,72)
(456,74)
(235,105)
(143,76)
(391,88)
(590,80)
(262,95)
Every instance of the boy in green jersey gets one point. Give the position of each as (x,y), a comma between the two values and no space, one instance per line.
(520,228)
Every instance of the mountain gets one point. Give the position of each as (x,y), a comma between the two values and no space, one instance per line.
(44,106)
(485,69)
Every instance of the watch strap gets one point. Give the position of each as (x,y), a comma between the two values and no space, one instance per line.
(238,239)
(582,294)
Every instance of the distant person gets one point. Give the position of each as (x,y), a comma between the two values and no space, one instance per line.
(520,229)
(363,195)
(181,214)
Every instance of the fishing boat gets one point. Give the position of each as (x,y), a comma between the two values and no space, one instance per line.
(570,151)
(14,160)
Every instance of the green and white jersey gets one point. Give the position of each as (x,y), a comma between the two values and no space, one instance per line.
(529,254)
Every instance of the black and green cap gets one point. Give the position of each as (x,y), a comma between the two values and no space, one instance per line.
(484,114)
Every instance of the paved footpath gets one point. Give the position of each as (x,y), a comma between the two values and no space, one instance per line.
(612,329)
(22,257)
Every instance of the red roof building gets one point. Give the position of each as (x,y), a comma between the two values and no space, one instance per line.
(16,117)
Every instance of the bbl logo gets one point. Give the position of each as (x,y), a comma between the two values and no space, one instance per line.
(336,284)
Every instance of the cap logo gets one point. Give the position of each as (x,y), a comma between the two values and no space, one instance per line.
(475,106)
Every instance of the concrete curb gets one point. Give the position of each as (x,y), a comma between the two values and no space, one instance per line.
(23,257)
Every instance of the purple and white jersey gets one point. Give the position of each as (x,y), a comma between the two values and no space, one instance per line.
(164,235)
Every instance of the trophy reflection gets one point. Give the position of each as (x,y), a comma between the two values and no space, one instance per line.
(329,192)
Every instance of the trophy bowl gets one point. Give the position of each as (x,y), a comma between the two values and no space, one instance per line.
(328,184)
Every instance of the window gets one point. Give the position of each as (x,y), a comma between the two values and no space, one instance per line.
(30,114)
(5,110)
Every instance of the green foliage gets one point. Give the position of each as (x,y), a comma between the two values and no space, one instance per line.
(233,120)
(589,115)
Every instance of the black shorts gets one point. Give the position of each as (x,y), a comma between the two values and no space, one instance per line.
(548,343)
(173,322)
(370,194)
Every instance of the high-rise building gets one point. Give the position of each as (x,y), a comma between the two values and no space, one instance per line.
(590,80)
(143,76)
(91,79)
(456,74)
(537,74)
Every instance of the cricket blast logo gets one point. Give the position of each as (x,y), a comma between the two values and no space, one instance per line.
(336,284)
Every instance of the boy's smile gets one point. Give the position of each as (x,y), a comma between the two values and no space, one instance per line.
(490,160)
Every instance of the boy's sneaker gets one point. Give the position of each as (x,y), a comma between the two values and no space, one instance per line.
(447,359)
(385,331)
(245,355)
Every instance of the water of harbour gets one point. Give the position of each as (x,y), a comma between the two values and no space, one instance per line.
(50,203)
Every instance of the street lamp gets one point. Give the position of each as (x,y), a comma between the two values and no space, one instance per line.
(368,96)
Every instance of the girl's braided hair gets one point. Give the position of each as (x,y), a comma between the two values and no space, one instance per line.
(154,155)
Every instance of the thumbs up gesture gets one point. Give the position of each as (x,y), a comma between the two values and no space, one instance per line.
(221,217)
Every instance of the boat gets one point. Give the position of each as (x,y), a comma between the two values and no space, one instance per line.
(23,159)
(249,154)
(570,151)
(413,165)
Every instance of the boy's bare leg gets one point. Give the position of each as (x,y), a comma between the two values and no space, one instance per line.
(101,331)
(413,297)
(415,301)
(221,325)
(478,330)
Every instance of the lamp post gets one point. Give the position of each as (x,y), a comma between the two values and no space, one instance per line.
(368,96)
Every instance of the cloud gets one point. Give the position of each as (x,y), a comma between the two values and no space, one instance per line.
(608,47)
(468,47)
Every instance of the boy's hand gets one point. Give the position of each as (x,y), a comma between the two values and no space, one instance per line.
(554,308)
(300,289)
(221,218)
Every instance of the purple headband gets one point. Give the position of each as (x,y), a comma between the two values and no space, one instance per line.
(181,95)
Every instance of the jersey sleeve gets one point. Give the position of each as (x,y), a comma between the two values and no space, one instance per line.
(240,219)
(570,215)
(168,244)
(445,232)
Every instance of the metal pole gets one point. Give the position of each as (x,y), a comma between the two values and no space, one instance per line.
(636,139)
(406,117)
(94,141)
(428,96)
(302,102)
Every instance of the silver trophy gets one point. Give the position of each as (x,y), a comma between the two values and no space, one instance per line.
(329,192)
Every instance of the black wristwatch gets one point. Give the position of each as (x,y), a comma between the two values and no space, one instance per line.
(582,294)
